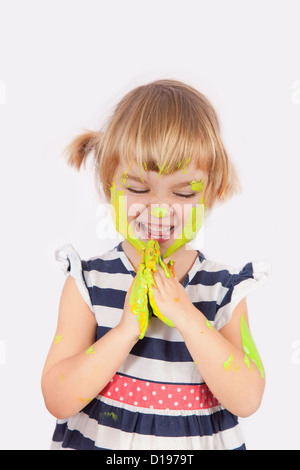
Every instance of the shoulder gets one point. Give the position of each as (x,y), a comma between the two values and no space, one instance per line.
(109,261)
(212,272)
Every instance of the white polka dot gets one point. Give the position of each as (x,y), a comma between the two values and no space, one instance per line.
(176,403)
(135,403)
(144,398)
(170,395)
(192,391)
(109,394)
(178,389)
(138,389)
(147,383)
(189,405)
(121,398)
(151,406)
(133,380)
(125,384)
(201,405)
(184,397)
(160,402)
(163,387)
(154,392)
(116,389)
(130,394)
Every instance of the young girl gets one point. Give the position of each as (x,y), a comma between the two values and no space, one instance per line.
(153,348)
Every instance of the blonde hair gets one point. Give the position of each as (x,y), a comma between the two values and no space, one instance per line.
(160,126)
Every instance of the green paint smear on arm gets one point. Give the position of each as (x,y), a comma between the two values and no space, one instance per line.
(247,362)
(227,365)
(231,365)
(249,347)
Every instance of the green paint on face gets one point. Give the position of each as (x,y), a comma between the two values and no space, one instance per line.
(142,288)
(120,219)
(159,212)
(192,226)
(197,185)
(185,164)
(249,347)
(124,177)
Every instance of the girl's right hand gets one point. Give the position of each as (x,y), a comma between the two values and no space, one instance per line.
(128,322)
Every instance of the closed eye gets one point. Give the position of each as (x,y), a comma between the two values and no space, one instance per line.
(185,195)
(136,191)
(144,191)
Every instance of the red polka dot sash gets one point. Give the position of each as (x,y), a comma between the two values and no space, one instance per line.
(159,395)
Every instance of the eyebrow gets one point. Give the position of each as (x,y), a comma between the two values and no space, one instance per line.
(179,185)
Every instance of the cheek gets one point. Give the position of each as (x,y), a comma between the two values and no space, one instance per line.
(134,209)
(182,213)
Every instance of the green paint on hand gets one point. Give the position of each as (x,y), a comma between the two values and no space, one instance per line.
(141,298)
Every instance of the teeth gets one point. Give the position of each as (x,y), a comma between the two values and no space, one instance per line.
(156,231)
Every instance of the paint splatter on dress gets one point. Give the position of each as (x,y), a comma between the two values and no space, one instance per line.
(157,399)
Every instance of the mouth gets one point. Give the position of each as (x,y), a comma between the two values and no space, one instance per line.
(156,232)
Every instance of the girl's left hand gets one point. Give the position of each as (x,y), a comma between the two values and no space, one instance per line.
(171,298)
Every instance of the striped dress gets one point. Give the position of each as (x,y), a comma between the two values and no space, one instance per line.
(157,399)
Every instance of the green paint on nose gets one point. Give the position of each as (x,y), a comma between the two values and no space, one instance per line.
(159,211)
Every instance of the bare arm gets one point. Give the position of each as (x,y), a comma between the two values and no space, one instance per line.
(78,368)
(235,381)
(220,358)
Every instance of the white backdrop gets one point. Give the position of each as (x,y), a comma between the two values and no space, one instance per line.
(63,65)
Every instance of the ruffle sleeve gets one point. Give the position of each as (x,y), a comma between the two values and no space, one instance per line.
(71,264)
(238,285)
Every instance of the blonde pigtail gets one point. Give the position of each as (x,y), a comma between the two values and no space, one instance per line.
(79,149)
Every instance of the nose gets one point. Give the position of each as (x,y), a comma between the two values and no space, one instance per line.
(161,210)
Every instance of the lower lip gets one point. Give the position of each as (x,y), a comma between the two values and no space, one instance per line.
(154,237)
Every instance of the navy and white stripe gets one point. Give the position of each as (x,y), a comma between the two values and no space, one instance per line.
(161,357)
